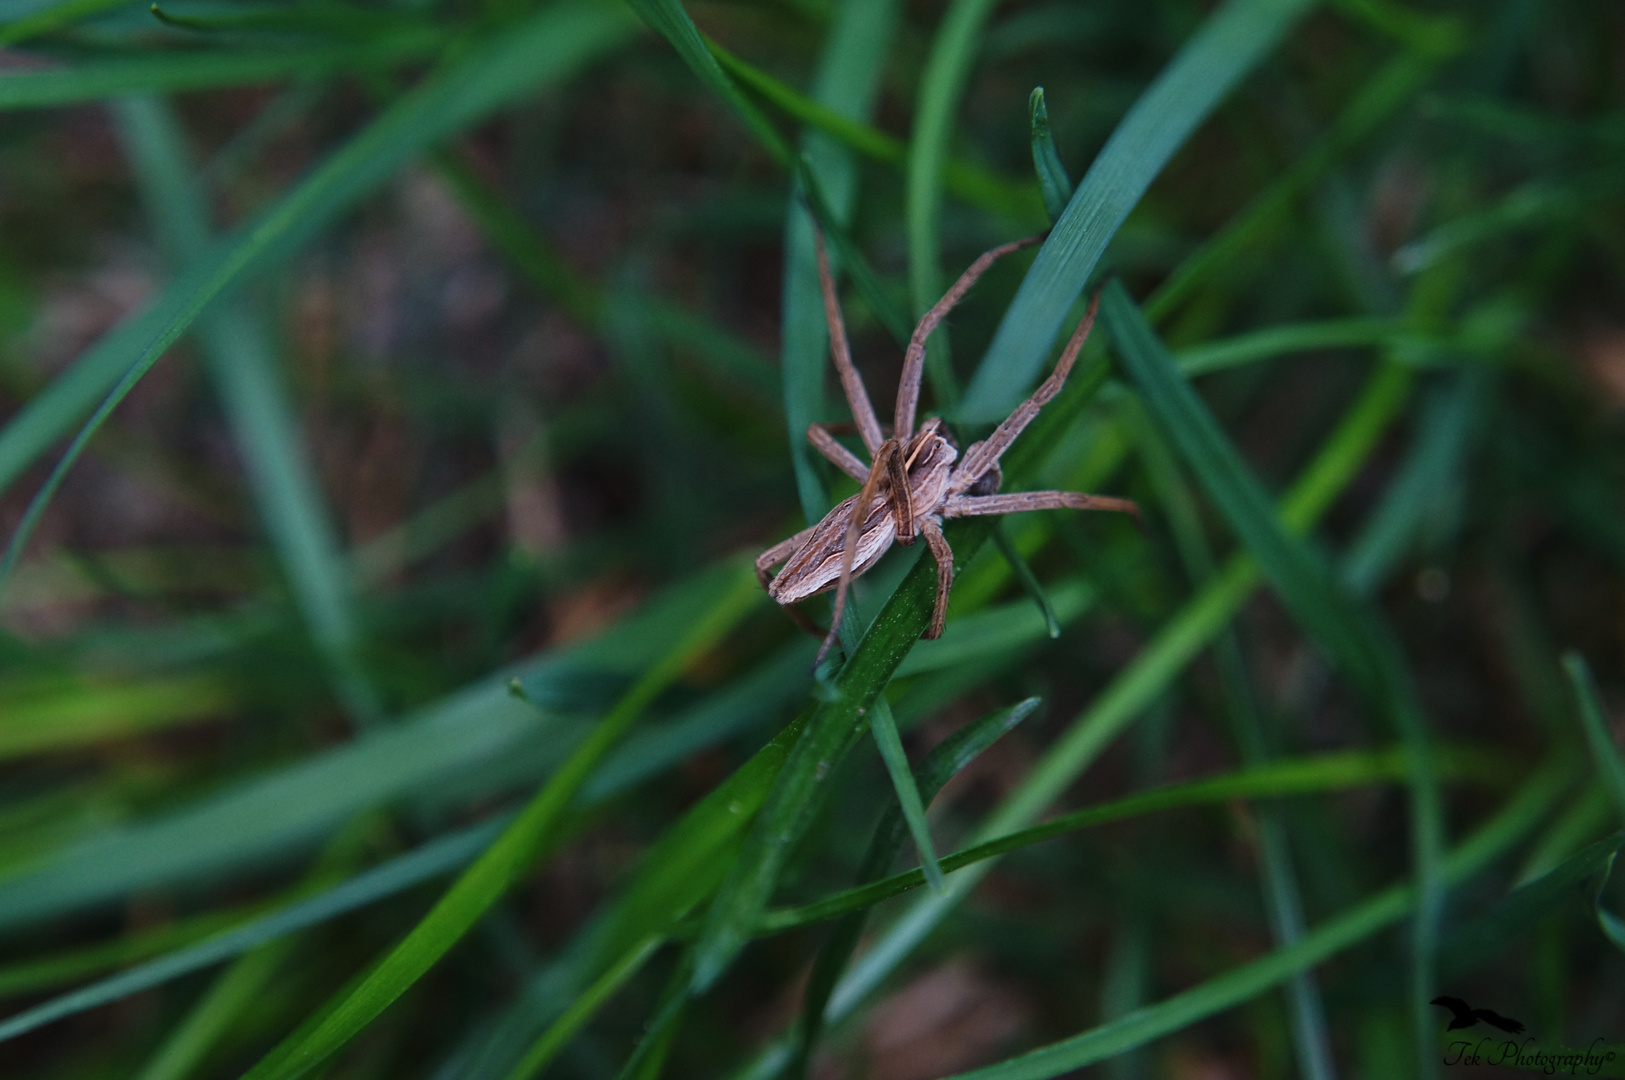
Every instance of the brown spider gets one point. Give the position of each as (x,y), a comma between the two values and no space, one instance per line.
(913,482)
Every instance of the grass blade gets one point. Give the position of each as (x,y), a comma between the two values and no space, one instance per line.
(238,351)
(533,832)
(1349,632)
(1243,983)
(183,70)
(434,858)
(942,764)
(1229,45)
(1053,180)
(1604,754)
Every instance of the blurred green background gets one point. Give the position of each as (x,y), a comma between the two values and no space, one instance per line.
(396,393)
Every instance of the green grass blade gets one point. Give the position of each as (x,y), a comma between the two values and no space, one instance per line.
(549,47)
(238,351)
(434,858)
(1228,46)
(1350,633)
(884,729)
(846,85)
(1393,87)
(1053,180)
(184,70)
(1276,341)
(1604,754)
(560,1032)
(1243,983)
(234,993)
(965,180)
(942,764)
(733,915)
(1029,581)
(1276,779)
(1480,941)
(534,832)
(54,17)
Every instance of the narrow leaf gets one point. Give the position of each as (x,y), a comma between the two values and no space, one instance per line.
(1053,180)
(1228,46)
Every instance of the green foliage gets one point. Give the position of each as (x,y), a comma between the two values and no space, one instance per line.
(384,690)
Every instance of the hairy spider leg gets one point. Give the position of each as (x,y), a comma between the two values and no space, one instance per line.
(985,455)
(944,555)
(908,387)
(775,556)
(1019,501)
(849,543)
(823,441)
(863,411)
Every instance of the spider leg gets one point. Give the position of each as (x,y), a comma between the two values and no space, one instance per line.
(849,543)
(1017,502)
(839,456)
(863,411)
(984,455)
(908,389)
(944,555)
(776,555)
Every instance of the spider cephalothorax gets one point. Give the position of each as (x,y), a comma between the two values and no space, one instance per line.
(915,479)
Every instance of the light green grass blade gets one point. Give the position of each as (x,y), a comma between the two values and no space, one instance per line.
(184,70)
(549,47)
(1353,636)
(234,993)
(1029,581)
(1053,180)
(1604,754)
(1276,341)
(1241,984)
(561,1031)
(37,718)
(434,858)
(1228,46)
(55,16)
(535,831)
(238,351)
(909,799)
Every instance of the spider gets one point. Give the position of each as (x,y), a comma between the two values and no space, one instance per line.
(912,483)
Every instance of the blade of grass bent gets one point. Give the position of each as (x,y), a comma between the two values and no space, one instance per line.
(1228,46)
(532,833)
(237,348)
(548,47)
(1350,633)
